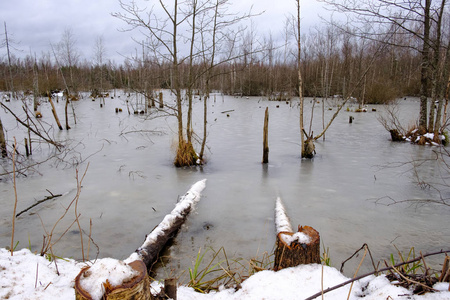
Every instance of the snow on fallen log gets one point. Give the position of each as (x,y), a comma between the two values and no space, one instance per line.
(281,219)
(284,227)
(301,247)
(171,223)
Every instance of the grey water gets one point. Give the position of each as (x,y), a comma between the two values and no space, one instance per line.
(130,182)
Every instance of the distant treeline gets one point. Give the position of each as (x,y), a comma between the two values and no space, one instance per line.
(333,63)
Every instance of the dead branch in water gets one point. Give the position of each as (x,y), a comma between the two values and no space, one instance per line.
(39,202)
(34,130)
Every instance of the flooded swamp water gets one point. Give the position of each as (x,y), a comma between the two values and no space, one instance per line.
(131,183)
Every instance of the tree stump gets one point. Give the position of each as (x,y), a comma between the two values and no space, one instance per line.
(170,288)
(396,136)
(137,288)
(310,148)
(161,103)
(3,149)
(291,252)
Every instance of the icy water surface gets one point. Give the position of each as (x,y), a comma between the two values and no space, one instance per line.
(131,183)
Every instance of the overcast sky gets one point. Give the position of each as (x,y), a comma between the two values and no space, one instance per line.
(33,24)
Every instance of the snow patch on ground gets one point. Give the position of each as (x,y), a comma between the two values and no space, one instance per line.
(29,276)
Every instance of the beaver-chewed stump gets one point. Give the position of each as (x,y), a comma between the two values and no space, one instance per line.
(293,249)
(137,287)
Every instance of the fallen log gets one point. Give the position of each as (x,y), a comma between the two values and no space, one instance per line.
(169,226)
(293,249)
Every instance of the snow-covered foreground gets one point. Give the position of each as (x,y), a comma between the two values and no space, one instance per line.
(28,276)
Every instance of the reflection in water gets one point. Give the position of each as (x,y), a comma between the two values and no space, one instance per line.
(131,184)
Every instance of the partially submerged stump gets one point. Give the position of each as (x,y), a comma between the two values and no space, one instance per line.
(310,148)
(292,249)
(396,136)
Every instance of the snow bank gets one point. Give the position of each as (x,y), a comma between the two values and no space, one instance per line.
(305,280)
(29,276)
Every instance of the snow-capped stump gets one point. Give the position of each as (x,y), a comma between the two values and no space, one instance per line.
(301,247)
(111,279)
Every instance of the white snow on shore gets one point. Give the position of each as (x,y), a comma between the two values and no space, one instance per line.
(25,275)
(29,276)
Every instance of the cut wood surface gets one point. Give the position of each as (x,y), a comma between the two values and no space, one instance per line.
(169,226)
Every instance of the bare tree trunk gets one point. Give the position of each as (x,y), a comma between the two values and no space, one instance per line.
(2,141)
(161,103)
(424,72)
(54,112)
(65,111)
(300,83)
(9,65)
(265,159)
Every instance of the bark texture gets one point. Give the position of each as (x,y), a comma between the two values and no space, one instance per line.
(296,254)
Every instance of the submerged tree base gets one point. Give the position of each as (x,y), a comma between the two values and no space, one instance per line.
(310,148)
(186,155)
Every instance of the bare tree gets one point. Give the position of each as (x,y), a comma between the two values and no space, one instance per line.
(169,28)
(69,54)
(8,46)
(98,60)
(419,20)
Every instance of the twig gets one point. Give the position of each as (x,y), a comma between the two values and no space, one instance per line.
(37,273)
(364,246)
(77,197)
(413,281)
(357,270)
(371,273)
(57,145)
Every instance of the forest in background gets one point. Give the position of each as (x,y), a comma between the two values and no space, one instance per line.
(333,61)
